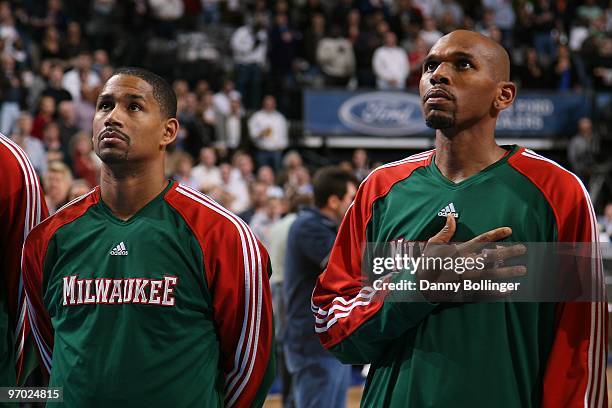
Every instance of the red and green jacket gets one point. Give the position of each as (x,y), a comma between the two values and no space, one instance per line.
(500,354)
(22,206)
(169,308)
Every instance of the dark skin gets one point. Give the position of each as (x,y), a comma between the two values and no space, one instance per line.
(464,86)
(130,135)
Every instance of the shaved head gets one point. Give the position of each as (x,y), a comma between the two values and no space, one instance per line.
(496,56)
(465,80)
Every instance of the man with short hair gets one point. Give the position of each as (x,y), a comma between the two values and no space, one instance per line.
(144,291)
(470,191)
(22,206)
(268,129)
(318,379)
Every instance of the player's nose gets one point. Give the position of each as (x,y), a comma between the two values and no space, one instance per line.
(113,118)
(440,76)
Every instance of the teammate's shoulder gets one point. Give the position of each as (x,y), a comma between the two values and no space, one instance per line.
(65,215)
(385,176)
(13,160)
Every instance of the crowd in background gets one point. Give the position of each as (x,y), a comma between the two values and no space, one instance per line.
(239,67)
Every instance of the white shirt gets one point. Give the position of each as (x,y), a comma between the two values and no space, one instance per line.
(233,131)
(72,82)
(167,9)
(243,46)
(206,177)
(391,63)
(269,130)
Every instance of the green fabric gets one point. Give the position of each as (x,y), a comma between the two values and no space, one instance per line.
(132,354)
(452,354)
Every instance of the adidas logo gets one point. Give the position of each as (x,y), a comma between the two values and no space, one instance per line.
(449,210)
(119,250)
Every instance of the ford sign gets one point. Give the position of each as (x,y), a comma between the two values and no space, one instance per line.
(383,114)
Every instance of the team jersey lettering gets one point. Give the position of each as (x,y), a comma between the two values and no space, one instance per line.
(119,291)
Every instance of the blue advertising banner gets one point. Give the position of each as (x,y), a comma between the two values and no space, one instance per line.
(399,114)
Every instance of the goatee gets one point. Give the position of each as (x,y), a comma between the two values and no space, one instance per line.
(440,121)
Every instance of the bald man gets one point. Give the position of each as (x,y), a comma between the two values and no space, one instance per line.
(470,191)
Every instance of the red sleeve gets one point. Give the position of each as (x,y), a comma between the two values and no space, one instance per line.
(340,301)
(22,207)
(32,269)
(236,269)
(576,371)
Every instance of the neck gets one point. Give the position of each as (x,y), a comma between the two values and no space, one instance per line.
(461,154)
(329,213)
(126,190)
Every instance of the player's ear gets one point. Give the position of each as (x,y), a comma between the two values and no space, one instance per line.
(170,131)
(505,95)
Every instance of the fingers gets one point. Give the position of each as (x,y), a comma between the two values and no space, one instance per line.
(475,244)
(496,273)
(503,253)
(446,233)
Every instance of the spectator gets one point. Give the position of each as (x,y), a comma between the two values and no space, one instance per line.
(504,18)
(282,52)
(57,181)
(182,170)
(243,167)
(235,127)
(68,126)
(30,144)
(85,163)
(564,72)
(390,64)
(258,196)
(223,98)
(319,379)
(277,248)
(249,47)
(78,188)
(268,130)
(582,149)
(415,60)
(364,46)
(265,217)
(589,10)
(81,78)
(166,14)
(50,46)
(206,175)
(53,142)
(291,162)
(265,175)
(430,34)
(55,89)
(75,43)
(336,58)
(232,193)
(46,112)
(449,12)
(314,33)
(544,23)
(532,75)
(361,165)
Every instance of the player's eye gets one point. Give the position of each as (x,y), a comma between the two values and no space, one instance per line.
(464,64)
(430,66)
(134,107)
(104,105)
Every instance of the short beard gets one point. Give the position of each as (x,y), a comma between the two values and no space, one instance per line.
(436,121)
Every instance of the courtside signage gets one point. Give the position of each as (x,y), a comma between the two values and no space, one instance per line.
(383,114)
